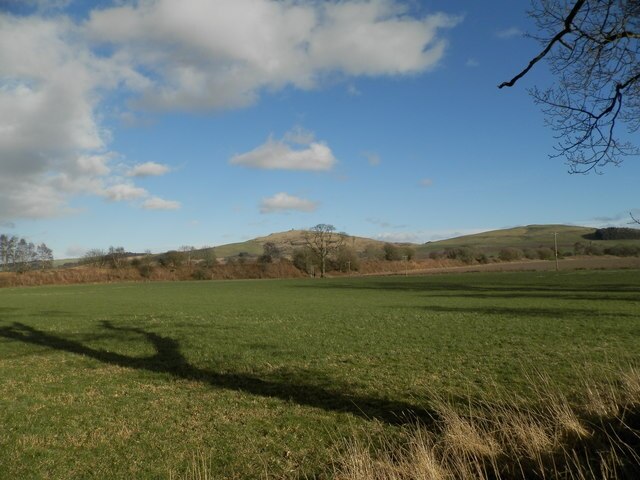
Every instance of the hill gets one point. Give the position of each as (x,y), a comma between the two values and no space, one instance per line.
(287,242)
(490,243)
(529,236)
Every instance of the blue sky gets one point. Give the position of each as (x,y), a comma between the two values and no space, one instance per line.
(156,124)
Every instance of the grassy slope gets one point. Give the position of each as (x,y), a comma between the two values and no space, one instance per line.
(530,236)
(286,242)
(132,380)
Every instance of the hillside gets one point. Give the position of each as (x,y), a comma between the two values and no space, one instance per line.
(530,236)
(287,242)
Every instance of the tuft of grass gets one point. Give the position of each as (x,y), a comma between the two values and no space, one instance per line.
(551,439)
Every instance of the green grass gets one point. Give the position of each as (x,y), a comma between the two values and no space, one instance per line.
(133,380)
(531,236)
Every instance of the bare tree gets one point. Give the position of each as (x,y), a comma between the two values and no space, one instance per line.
(593,48)
(116,257)
(96,257)
(45,256)
(323,241)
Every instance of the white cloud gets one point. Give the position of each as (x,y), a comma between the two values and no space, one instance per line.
(52,145)
(156,203)
(472,62)
(124,191)
(148,169)
(283,155)
(422,236)
(398,237)
(510,32)
(56,74)
(211,55)
(283,202)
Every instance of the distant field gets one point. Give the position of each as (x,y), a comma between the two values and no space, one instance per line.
(265,377)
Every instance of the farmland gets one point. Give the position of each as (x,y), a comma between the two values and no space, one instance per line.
(265,378)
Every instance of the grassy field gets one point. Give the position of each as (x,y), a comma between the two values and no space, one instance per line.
(265,378)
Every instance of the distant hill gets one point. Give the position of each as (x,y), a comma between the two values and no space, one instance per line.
(491,242)
(530,236)
(287,242)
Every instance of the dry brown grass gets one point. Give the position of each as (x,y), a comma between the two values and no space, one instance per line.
(554,439)
(86,274)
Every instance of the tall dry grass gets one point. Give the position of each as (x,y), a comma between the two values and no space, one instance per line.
(88,274)
(551,438)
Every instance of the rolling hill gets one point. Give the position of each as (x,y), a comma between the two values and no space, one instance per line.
(529,236)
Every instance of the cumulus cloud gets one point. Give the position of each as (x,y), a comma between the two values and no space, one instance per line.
(56,74)
(156,203)
(148,169)
(296,151)
(124,191)
(510,32)
(283,202)
(52,145)
(211,55)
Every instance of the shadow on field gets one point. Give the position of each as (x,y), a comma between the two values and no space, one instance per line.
(168,359)
(517,312)
(623,292)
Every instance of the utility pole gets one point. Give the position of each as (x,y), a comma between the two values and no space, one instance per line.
(555,244)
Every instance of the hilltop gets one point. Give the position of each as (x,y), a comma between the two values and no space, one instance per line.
(287,242)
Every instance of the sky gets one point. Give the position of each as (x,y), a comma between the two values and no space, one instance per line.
(153,124)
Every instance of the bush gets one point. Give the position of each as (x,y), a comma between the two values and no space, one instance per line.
(482,258)
(304,260)
(510,254)
(546,253)
(347,259)
(465,254)
(201,274)
(171,259)
(531,254)
(392,252)
(622,250)
(593,250)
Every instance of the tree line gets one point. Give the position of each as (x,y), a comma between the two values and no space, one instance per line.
(19,255)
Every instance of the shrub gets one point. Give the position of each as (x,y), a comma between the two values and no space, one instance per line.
(201,274)
(347,259)
(392,252)
(546,253)
(593,250)
(622,250)
(482,258)
(510,254)
(465,254)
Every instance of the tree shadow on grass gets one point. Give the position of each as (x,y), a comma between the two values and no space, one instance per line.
(608,292)
(539,312)
(168,359)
